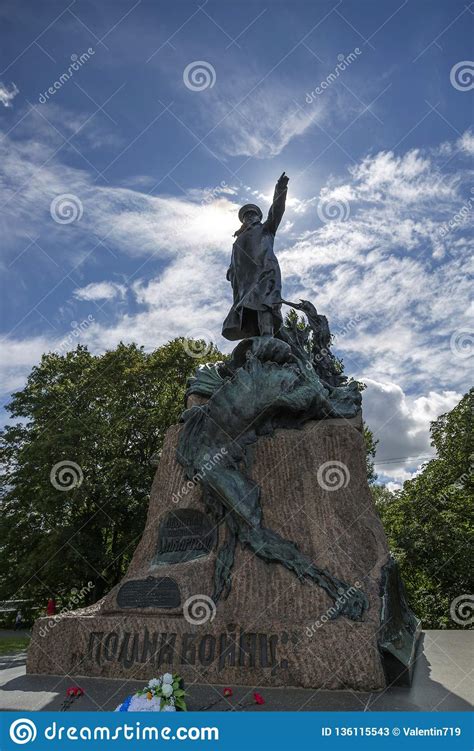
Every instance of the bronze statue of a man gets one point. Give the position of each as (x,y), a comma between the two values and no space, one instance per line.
(254,271)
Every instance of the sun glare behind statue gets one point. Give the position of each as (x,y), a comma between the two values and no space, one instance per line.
(221,217)
(296,205)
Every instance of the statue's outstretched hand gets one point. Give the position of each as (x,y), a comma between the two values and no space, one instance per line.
(282,181)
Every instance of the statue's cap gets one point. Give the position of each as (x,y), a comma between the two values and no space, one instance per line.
(249,207)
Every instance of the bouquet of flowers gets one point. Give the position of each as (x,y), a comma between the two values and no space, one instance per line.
(164,694)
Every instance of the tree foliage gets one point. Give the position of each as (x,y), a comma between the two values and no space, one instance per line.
(430,523)
(108,414)
(370,450)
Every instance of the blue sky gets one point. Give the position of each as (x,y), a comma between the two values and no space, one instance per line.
(131,132)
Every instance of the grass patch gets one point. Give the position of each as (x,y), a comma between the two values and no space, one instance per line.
(13,644)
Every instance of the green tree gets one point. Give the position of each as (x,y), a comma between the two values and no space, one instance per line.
(429,522)
(370,450)
(108,414)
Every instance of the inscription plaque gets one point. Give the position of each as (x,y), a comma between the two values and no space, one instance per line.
(151,592)
(233,648)
(184,534)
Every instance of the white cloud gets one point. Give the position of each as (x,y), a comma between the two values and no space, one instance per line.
(261,120)
(6,96)
(17,356)
(135,223)
(387,266)
(464,145)
(264,131)
(466,142)
(181,301)
(164,225)
(100,291)
(401,423)
(391,203)
(390,264)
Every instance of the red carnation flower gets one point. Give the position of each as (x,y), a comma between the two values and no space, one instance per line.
(228,692)
(74,691)
(258,698)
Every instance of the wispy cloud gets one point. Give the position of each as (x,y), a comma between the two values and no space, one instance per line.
(385,262)
(7,96)
(391,263)
(136,223)
(255,116)
(263,131)
(100,291)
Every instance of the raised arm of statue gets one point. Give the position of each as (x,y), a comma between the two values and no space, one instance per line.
(277,208)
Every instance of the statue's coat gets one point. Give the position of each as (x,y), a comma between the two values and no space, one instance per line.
(255,274)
